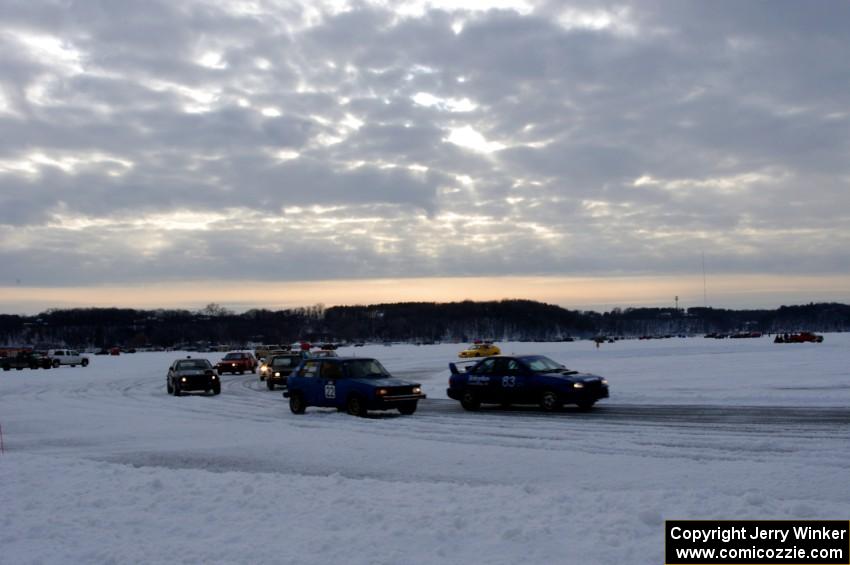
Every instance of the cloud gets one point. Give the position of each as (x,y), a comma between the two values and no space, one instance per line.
(205,140)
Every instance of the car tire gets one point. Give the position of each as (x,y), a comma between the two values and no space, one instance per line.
(216,390)
(549,401)
(586,406)
(470,401)
(84,362)
(296,403)
(241,372)
(269,384)
(407,408)
(177,391)
(56,363)
(356,406)
(168,387)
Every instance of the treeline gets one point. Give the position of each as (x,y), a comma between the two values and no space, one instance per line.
(411,321)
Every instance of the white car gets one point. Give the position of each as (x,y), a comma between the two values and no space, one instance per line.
(67,357)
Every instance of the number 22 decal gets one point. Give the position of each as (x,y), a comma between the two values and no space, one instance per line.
(330,391)
(508,382)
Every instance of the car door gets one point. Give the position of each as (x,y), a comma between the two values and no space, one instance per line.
(483,381)
(514,382)
(309,384)
(333,386)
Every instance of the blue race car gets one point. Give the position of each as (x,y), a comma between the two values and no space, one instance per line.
(524,379)
(353,384)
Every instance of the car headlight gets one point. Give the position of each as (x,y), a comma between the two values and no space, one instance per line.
(381,392)
(183,379)
(578,385)
(417,390)
(214,377)
(604,382)
(277,374)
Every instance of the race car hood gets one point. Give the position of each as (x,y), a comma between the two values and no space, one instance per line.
(384,382)
(573,377)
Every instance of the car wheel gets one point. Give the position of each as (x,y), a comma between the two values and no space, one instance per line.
(177,391)
(355,406)
(168,387)
(270,384)
(470,401)
(550,401)
(253,369)
(407,408)
(296,403)
(587,405)
(56,363)
(216,390)
(84,362)
(241,372)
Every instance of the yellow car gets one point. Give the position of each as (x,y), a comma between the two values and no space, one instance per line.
(479,350)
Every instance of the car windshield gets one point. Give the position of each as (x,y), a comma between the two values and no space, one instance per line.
(232,356)
(193,365)
(366,369)
(284,361)
(543,364)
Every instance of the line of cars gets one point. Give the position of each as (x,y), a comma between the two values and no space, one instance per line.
(358,385)
(50,359)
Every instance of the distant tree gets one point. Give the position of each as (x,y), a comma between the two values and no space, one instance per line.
(215,310)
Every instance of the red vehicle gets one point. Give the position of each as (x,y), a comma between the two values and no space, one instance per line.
(237,362)
(802,337)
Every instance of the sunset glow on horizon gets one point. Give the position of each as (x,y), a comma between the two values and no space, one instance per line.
(599,294)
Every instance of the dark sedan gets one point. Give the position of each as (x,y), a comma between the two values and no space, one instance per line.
(192,374)
(524,379)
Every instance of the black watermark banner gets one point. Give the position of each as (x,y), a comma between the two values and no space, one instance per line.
(757,542)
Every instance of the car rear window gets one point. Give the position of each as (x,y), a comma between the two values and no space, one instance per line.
(284,361)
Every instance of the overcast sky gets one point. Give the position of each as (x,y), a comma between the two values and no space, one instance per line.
(225,143)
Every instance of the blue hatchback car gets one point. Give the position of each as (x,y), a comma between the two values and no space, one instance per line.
(524,379)
(353,384)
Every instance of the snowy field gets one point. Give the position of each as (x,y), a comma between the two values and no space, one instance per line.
(102,466)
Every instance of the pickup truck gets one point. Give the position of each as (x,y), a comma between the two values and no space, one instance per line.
(25,360)
(66,357)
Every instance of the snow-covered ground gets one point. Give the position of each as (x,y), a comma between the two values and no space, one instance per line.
(102,466)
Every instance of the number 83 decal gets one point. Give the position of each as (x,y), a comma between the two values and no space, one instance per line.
(508,382)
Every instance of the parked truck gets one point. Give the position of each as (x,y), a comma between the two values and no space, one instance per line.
(25,360)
